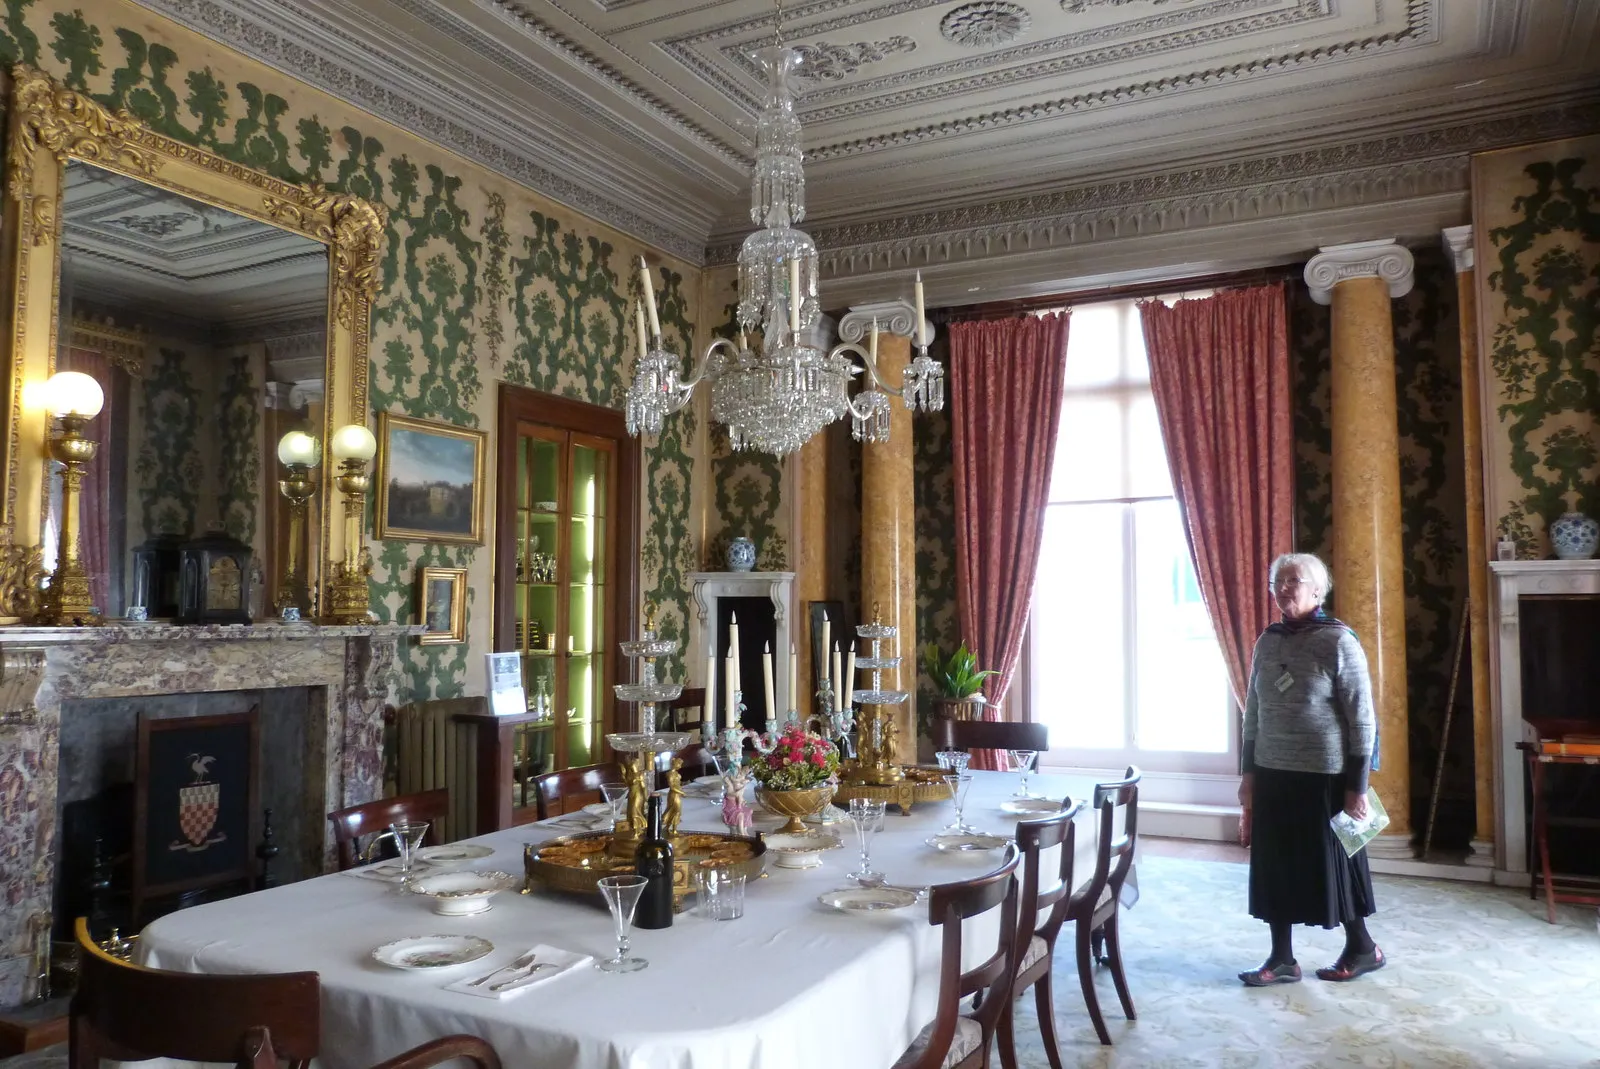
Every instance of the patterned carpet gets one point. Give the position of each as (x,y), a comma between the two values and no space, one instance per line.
(1476,979)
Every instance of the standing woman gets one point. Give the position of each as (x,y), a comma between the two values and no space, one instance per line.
(1309,741)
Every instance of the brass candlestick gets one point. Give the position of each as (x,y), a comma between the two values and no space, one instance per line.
(67,600)
(297,488)
(348,595)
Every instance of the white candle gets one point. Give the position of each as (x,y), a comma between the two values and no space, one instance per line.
(650,298)
(920,339)
(838,679)
(733,652)
(638,326)
(766,681)
(850,678)
(794,678)
(822,669)
(743,345)
(708,708)
(731,685)
(794,295)
(872,344)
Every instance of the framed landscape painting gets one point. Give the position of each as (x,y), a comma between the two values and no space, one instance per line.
(442,597)
(430,481)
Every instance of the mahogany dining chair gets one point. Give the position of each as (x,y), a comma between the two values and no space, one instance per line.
(369,818)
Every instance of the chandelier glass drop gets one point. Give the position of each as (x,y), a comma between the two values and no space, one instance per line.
(775,395)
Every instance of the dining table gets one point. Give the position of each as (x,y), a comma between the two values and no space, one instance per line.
(792,984)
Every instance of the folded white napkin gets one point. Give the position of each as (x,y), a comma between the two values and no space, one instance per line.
(563,961)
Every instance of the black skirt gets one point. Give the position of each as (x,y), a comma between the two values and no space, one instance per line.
(1298,871)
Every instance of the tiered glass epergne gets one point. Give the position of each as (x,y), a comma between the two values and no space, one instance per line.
(876,771)
(576,863)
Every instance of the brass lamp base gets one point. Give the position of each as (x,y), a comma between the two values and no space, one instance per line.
(349,600)
(66,602)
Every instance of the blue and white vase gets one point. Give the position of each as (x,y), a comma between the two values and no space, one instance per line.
(1575,536)
(741,554)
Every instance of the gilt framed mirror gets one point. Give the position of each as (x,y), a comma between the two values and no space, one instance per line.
(218,307)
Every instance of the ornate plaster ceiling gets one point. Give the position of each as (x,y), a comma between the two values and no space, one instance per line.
(942,132)
(135,246)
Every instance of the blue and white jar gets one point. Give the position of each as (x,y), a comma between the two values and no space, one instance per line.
(741,554)
(1575,536)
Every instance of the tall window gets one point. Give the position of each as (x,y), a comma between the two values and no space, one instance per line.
(1124,662)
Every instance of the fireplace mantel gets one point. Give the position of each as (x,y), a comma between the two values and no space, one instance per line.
(1513,581)
(350,668)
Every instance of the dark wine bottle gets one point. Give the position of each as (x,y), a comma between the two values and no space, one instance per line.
(653,861)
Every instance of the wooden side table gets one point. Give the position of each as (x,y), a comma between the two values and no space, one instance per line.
(1541,829)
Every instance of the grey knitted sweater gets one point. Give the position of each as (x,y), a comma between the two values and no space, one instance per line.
(1310,705)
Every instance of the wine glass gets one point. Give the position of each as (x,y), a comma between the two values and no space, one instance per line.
(407,838)
(1022,763)
(866,814)
(959,782)
(616,796)
(622,896)
(953,760)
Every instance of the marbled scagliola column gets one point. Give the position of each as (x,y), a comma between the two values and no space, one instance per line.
(1458,239)
(1359,280)
(888,510)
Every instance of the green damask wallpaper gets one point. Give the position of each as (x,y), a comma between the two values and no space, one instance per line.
(1536,213)
(482,279)
(239,452)
(1433,510)
(168,472)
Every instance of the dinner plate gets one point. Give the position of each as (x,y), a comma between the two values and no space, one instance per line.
(868,899)
(1033,806)
(451,852)
(432,951)
(960,841)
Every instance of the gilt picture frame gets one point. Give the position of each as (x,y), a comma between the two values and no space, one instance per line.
(430,481)
(442,605)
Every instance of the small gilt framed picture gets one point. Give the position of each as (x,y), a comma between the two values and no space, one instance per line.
(442,605)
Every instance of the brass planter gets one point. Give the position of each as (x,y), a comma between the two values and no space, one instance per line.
(795,805)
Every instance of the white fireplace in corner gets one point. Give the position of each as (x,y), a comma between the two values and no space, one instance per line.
(1513,581)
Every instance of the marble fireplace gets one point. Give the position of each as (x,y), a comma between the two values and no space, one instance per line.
(340,679)
(1525,593)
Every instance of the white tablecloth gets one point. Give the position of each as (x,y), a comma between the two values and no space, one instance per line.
(791,985)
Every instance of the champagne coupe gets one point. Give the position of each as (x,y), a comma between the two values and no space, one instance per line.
(622,896)
(959,782)
(616,796)
(866,814)
(953,760)
(1022,763)
(407,838)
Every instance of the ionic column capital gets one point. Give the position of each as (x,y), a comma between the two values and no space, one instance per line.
(1333,264)
(1458,240)
(898,316)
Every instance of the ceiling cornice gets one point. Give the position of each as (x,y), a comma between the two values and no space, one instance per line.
(458,126)
(1373,170)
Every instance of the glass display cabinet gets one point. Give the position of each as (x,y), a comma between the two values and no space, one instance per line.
(565,572)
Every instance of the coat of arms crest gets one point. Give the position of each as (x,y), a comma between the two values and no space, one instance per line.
(198,803)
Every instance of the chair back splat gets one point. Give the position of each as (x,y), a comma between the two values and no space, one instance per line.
(561,792)
(349,825)
(989,735)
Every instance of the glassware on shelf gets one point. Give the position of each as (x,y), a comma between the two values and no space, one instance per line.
(1022,764)
(622,897)
(408,836)
(866,815)
(959,783)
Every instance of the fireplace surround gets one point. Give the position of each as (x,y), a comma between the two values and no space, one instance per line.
(1515,583)
(347,669)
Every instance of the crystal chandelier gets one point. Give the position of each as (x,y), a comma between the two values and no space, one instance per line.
(776,395)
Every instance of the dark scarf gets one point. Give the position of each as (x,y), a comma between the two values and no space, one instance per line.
(1317,620)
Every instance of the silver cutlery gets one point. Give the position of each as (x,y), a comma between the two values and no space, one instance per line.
(516,966)
(516,980)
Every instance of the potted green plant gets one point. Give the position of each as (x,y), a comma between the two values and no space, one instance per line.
(958,682)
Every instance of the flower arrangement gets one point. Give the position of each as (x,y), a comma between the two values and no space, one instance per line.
(800,761)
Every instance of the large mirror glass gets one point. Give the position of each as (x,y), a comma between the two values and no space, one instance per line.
(207,332)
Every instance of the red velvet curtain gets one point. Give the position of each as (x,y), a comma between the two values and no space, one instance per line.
(1219,368)
(1006,387)
(94,533)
